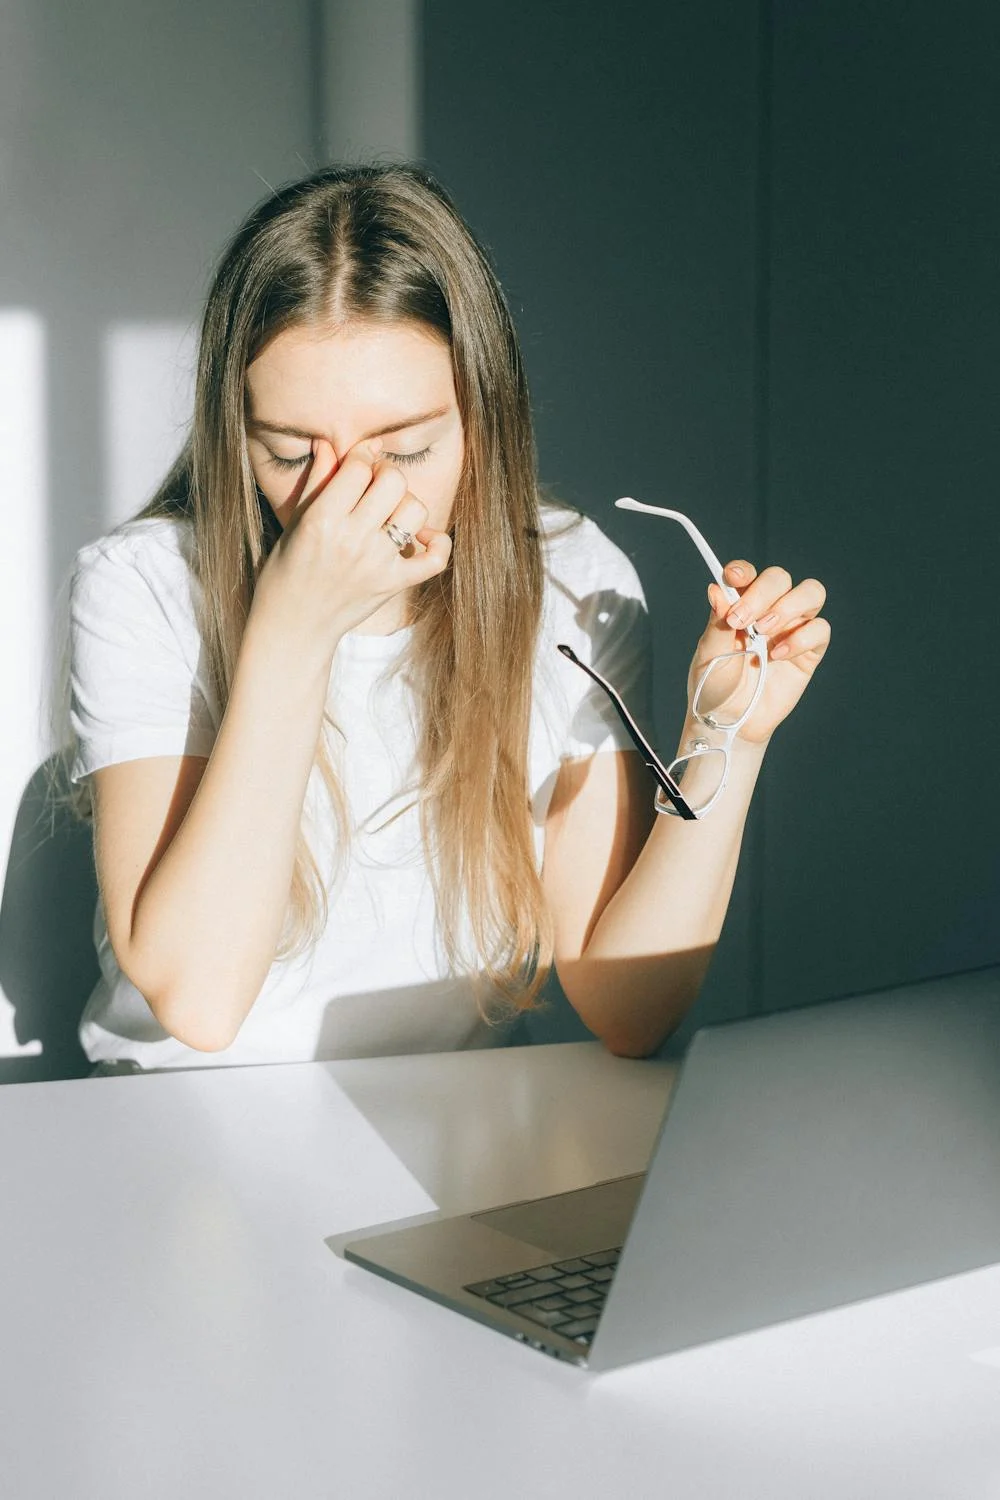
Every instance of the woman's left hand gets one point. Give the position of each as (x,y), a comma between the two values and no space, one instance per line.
(788,615)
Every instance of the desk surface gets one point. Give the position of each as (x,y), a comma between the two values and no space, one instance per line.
(172,1322)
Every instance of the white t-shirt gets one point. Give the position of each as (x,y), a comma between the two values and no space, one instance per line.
(376,983)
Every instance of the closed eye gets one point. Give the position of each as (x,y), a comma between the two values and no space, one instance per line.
(289,463)
(394,458)
(408,458)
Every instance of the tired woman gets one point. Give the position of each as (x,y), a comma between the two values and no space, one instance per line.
(348,796)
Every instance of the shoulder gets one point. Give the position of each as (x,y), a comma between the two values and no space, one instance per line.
(157,551)
(594,601)
(141,569)
(595,604)
(151,545)
(578,555)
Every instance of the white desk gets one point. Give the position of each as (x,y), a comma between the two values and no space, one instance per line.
(172,1324)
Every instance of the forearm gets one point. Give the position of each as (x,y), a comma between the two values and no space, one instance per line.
(647,955)
(207,922)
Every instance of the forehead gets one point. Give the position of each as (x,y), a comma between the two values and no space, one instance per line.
(305,374)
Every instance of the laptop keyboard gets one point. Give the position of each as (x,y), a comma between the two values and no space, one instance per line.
(567,1295)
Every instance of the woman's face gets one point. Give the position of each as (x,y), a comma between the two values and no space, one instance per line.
(366,379)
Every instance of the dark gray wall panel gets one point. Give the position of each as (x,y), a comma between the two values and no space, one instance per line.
(884,462)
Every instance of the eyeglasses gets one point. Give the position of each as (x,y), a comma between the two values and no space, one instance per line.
(724,697)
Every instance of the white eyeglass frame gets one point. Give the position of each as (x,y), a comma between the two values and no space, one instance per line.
(669,798)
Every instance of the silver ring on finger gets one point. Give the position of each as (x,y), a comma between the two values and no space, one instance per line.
(397,535)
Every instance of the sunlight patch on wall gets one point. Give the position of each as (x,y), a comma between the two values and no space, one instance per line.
(149,371)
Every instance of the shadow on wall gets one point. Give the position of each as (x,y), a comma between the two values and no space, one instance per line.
(48,964)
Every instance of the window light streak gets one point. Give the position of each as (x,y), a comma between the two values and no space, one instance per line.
(23,585)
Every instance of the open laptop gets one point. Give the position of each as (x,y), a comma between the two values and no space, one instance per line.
(806,1159)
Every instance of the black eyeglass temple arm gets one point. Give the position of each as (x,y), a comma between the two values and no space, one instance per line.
(659,771)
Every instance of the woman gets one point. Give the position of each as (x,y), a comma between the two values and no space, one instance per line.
(347,796)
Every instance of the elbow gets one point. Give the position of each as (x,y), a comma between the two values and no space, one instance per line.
(187,1025)
(638,1035)
(633,1005)
(181,1014)
(199,1043)
(634,1047)
(640,1040)
(197,1037)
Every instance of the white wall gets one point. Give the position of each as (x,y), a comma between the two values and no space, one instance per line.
(133,137)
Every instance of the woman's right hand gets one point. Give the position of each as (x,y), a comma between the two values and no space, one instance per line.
(334,565)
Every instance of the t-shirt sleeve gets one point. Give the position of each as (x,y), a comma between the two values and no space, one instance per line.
(134,662)
(613,622)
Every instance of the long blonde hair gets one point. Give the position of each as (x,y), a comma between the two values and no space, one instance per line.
(385,244)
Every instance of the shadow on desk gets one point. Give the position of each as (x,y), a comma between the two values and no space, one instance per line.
(48,965)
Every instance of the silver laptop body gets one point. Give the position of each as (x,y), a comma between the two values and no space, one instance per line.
(806,1159)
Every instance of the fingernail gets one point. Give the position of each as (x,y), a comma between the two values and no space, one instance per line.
(736,620)
(781,650)
(735,570)
(768,621)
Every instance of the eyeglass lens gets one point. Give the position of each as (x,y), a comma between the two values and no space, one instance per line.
(727,688)
(700,775)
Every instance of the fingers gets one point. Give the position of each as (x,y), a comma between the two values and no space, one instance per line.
(364,493)
(739,573)
(388,497)
(410,515)
(807,641)
(436,557)
(341,483)
(803,602)
(770,602)
(758,599)
(322,469)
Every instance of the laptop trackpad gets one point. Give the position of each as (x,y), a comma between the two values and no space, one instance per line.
(591,1218)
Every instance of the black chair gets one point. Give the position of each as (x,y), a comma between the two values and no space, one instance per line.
(48,965)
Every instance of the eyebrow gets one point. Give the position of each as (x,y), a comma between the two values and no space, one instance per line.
(424,416)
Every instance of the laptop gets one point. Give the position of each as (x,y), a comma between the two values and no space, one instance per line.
(806,1159)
